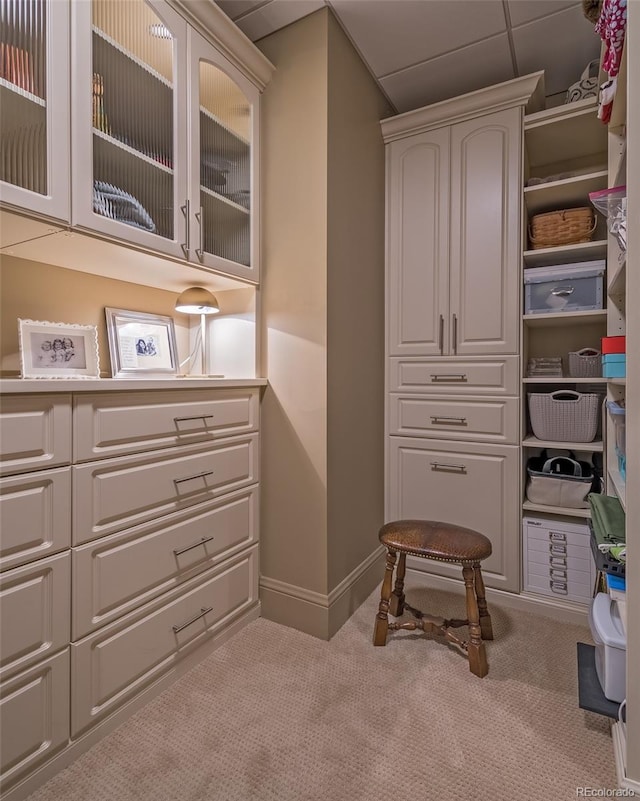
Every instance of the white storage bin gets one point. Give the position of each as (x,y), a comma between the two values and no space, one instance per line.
(564,288)
(611,646)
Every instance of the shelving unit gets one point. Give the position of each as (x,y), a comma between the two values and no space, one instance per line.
(568,144)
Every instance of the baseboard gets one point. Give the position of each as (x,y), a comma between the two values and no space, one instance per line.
(315,613)
(566,612)
(76,748)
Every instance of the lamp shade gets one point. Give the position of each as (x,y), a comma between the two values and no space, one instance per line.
(197,300)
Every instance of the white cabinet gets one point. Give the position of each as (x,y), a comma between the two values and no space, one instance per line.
(168,162)
(34,97)
(138,545)
(453,238)
(466,484)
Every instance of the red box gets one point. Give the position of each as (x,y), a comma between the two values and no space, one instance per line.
(614,344)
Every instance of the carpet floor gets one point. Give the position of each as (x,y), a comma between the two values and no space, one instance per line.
(277,715)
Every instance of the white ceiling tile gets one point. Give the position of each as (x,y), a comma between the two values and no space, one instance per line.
(234,8)
(470,68)
(275,15)
(392,34)
(521,11)
(562,45)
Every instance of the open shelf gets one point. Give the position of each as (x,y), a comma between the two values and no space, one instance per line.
(567,193)
(564,380)
(618,280)
(555,510)
(618,483)
(533,442)
(552,134)
(564,318)
(131,151)
(583,251)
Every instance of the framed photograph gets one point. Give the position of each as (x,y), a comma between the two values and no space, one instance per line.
(141,344)
(58,350)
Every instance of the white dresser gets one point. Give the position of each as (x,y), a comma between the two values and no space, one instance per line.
(129,522)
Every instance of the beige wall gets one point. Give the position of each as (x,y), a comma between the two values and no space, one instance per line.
(323,323)
(35,291)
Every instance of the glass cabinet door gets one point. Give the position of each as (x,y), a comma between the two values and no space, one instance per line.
(137,191)
(223,117)
(34,98)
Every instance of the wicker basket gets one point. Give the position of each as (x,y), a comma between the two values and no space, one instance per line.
(567,227)
(564,415)
(585,363)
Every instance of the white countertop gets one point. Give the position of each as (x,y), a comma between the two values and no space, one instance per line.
(18,385)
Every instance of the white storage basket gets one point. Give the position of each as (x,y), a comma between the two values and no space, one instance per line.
(585,363)
(564,415)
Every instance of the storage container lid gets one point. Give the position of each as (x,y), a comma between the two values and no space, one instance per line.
(606,620)
(615,408)
(564,272)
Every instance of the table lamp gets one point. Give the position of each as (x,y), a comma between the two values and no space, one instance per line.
(198,300)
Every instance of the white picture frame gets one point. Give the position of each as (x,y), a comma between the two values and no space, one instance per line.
(141,344)
(58,350)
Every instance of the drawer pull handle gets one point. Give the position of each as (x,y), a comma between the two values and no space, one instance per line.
(203,541)
(449,468)
(448,377)
(556,573)
(558,549)
(449,421)
(195,417)
(557,536)
(559,586)
(558,561)
(193,478)
(563,291)
(204,610)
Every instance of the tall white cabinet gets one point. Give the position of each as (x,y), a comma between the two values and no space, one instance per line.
(453,291)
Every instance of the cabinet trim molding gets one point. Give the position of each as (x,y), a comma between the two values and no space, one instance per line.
(527,91)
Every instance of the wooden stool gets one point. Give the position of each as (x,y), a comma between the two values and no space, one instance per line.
(445,543)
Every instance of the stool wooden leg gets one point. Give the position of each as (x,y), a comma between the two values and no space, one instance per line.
(382,618)
(475,648)
(396,607)
(485,618)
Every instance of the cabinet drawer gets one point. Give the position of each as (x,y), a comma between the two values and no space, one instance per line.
(115,494)
(547,548)
(582,577)
(35,516)
(468,484)
(115,424)
(548,559)
(34,717)
(464,376)
(569,589)
(559,536)
(118,573)
(35,432)
(496,420)
(110,666)
(34,611)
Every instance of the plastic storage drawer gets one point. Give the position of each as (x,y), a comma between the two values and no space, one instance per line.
(611,646)
(566,288)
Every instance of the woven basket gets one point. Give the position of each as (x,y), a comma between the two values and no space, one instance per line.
(566,227)
(585,363)
(564,415)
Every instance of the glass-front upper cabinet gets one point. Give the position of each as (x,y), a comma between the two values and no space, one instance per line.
(129,120)
(34,106)
(223,178)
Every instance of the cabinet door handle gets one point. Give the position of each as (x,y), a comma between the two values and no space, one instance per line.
(441,335)
(200,249)
(186,246)
(203,541)
(449,421)
(193,478)
(449,468)
(204,610)
(194,417)
(445,378)
(559,587)
(455,335)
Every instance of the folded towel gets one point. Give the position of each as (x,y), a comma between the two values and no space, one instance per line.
(607,520)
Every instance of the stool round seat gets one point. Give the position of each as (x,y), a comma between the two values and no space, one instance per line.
(435,540)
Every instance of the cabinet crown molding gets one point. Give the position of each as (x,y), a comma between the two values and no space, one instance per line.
(527,91)
(215,25)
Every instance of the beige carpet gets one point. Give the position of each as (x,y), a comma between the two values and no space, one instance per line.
(277,715)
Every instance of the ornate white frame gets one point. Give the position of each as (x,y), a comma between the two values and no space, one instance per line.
(127,364)
(32,363)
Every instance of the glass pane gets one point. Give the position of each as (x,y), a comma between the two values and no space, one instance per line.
(23,122)
(133,116)
(225,166)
